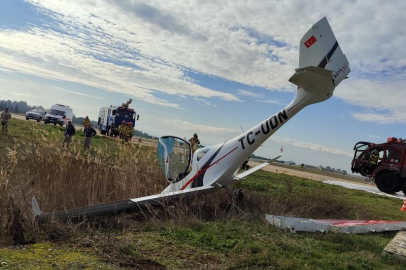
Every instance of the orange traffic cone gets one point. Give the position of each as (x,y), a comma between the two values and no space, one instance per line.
(403,206)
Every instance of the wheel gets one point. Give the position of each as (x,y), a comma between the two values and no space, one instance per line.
(388,182)
(39,119)
(404,186)
(46,123)
(55,124)
(27,118)
(61,124)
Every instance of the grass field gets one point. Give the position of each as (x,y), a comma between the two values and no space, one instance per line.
(210,232)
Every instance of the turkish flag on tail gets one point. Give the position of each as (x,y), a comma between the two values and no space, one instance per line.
(310,42)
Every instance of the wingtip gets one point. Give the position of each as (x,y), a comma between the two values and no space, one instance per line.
(35,207)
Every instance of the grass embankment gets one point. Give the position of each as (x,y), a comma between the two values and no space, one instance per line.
(209,233)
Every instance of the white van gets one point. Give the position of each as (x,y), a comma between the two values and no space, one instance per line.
(59,114)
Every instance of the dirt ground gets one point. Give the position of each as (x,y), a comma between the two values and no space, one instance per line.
(307,175)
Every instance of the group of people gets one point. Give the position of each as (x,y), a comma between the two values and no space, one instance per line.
(87,130)
(126,131)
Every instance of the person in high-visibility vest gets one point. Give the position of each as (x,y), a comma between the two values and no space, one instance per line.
(85,123)
(374,158)
(130,130)
(194,142)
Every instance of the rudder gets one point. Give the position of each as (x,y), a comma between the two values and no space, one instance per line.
(319,48)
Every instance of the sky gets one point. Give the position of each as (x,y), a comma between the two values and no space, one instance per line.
(211,67)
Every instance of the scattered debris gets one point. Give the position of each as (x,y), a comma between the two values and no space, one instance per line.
(397,247)
(294,225)
(373,190)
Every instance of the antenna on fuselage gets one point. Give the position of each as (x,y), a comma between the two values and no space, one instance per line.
(239,123)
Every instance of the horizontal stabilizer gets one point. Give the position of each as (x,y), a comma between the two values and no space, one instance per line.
(309,77)
(250,171)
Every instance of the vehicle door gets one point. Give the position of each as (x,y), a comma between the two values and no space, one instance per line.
(361,158)
(392,159)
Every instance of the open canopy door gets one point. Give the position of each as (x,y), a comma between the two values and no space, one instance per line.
(174,155)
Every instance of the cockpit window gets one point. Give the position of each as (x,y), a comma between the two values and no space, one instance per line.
(174,157)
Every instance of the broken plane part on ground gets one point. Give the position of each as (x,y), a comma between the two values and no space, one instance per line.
(294,224)
(322,66)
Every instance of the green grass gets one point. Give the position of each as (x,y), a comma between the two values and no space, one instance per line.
(50,256)
(21,131)
(239,239)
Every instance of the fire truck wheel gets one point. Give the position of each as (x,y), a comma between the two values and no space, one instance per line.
(388,182)
(404,186)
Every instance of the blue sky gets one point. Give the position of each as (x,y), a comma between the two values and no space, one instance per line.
(200,67)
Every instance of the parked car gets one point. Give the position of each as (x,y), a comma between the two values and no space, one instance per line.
(36,114)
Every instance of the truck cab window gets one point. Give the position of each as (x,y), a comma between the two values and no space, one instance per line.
(392,155)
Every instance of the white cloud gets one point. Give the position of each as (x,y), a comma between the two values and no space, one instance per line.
(140,48)
(383,101)
(22,95)
(312,146)
(249,94)
(272,101)
(76,93)
(184,125)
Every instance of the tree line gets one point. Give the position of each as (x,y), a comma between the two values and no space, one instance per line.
(17,106)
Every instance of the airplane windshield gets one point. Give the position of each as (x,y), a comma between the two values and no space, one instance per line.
(173,157)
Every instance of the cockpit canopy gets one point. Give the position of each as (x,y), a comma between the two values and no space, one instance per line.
(174,155)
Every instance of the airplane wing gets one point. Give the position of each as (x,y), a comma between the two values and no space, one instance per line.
(119,206)
(254,169)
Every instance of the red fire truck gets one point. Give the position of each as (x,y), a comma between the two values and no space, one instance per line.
(385,163)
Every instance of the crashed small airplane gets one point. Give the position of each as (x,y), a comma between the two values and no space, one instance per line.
(322,66)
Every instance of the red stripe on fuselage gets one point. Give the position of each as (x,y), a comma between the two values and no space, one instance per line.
(205,169)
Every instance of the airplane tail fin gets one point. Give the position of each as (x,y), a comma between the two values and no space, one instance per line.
(322,64)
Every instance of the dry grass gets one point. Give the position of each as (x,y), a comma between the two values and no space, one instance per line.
(62,179)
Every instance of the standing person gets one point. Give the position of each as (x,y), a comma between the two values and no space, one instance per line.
(121,130)
(85,123)
(130,130)
(5,116)
(69,133)
(194,141)
(89,133)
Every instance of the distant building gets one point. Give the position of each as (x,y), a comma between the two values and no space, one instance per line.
(308,166)
(290,162)
(329,169)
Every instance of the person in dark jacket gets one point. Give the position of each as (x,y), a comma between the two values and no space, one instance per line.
(89,133)
(69,133)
